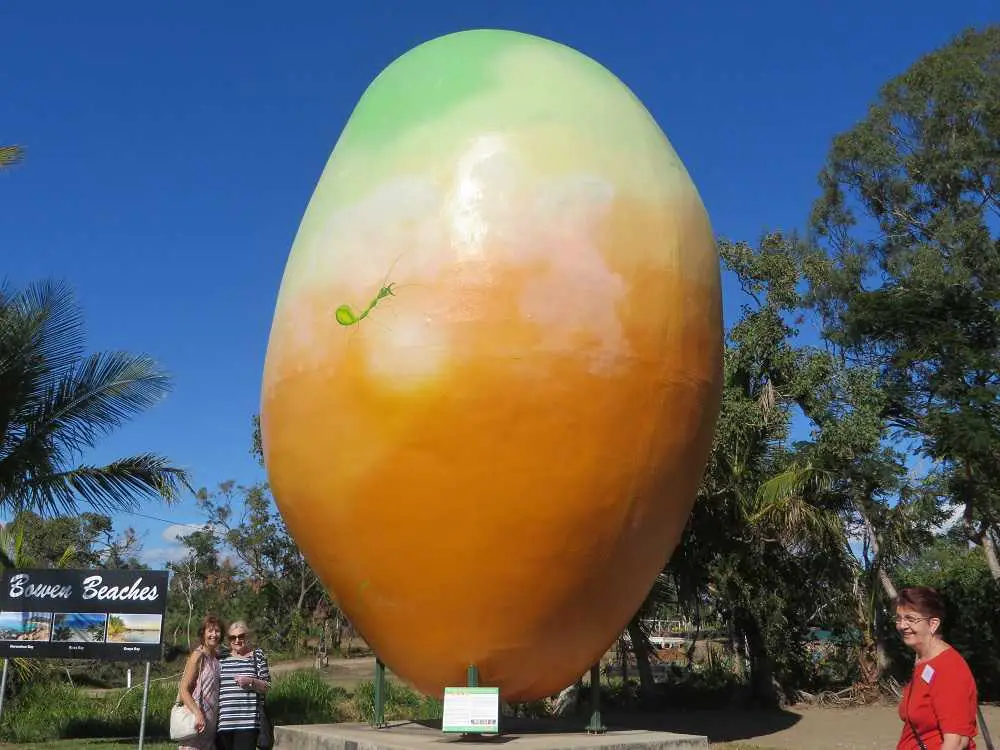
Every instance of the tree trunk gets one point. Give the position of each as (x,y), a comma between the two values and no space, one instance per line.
(762,688)
(623,660)
(982,536)
(568,700)
(887,585)
(188,596)
(990,550)
(647,685)
(875,656)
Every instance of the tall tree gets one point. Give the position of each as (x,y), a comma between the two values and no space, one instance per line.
(287,593)
(88,540)
(906,274)
(56,403)
(772,562)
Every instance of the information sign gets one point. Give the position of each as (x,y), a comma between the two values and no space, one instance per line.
(471,710)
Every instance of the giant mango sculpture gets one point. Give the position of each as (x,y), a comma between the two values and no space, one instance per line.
(494,368)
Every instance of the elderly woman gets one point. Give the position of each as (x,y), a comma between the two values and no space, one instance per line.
(938,707)
(199,686)
(244,682)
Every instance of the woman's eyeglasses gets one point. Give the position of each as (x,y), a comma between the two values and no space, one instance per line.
(909,619)
(238,637)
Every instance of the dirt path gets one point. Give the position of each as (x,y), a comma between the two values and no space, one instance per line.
(866,728)
(343,672)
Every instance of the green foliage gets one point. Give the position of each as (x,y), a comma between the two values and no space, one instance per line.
(54,710)
(10,155)
(906,275)
(88,540)
(400,702)
(303,697)
(243,564)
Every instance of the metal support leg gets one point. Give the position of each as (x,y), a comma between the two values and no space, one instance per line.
(3,684)
(596,726)
(378,719)
(145,703)
(472,676)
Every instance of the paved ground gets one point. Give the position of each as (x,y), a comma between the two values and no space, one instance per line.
(866,728)
(805,728)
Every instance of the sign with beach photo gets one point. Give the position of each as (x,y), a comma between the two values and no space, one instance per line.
(114,615)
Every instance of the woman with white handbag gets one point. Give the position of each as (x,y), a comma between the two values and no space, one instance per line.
(194,718)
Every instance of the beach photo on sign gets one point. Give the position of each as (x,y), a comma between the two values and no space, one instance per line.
(124,628)
(79,627)
(25,626)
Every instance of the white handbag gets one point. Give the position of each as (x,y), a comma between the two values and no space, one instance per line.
(182,723)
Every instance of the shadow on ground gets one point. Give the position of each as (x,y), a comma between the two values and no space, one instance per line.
(719,725)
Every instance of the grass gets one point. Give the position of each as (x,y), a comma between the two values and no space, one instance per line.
(56,716)
(43,713)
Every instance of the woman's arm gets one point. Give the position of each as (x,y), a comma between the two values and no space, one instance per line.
(188,680)
(954,742)
(262,683)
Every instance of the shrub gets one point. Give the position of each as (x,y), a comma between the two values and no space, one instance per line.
(303,697)
(400,702)
(55,710)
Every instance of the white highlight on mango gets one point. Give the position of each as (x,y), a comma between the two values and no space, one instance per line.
(490,212)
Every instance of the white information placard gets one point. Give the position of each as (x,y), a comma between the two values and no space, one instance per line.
(471,710)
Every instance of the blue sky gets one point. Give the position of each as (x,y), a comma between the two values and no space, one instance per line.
(172,148)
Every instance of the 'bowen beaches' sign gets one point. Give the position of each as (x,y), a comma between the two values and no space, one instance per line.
(115,615)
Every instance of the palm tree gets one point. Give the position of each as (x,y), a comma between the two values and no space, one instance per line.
(56,403)
(13,555)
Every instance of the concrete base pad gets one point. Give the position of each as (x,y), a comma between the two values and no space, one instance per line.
(516,735)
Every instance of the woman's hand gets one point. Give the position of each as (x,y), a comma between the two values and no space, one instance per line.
(245,682)
(199,722)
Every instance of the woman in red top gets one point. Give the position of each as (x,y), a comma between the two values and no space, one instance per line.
(938,707)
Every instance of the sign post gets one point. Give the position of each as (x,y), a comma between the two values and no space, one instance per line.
(111,615)
(3,685)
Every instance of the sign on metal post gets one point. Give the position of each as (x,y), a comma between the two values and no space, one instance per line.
(471,710)
(112,615)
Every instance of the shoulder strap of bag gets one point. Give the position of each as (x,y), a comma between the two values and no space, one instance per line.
(906,713)
(201,666)
(982,727)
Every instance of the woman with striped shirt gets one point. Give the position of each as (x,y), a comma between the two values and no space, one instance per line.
(244,681)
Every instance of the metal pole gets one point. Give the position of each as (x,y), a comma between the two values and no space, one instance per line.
(596,726)
(145,700)
(378,720)
(472,676)
(3,685)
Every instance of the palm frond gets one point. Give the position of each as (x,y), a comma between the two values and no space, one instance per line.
(785,504)
(41,338)
(10,155)
(86,403)
(46,320)
(112,488)
(56,403)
